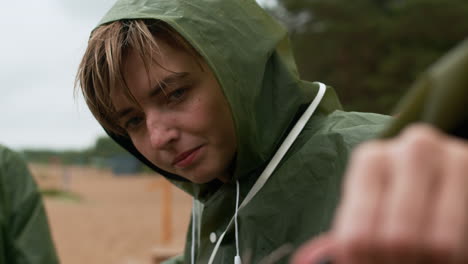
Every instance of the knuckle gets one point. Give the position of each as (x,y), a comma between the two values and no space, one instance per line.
(418,145)
(373,150)
(420,142)
(420,130)
(458,154)
(367,161)
(455,163)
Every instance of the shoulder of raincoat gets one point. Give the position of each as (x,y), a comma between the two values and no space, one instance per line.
(24,231)
(249,53)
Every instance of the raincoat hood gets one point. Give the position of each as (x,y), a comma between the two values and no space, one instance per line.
(249,53)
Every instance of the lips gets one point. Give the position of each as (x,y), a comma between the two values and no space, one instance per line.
(185,159)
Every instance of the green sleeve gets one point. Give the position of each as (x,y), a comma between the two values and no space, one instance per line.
(24,231)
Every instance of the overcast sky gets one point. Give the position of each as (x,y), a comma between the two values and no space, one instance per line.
(40,49)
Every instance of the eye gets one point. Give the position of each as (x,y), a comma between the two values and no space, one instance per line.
(133,123)
(177,94)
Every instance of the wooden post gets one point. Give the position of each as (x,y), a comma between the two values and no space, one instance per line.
(166,212)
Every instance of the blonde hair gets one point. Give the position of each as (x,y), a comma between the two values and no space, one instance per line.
(101,68)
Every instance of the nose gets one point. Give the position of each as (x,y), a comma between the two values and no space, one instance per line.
(161,130)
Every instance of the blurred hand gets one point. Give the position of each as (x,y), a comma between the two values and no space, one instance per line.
(405,200)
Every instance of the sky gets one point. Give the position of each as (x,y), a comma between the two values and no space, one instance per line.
(41,46)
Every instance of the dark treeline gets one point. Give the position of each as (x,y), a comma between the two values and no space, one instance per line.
(371,50)
(105,153)
(103,149)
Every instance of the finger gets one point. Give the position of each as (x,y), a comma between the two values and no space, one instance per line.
(314,251)
(357,214)
(407,202)
(447,239)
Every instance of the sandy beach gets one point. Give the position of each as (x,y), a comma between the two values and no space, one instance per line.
(118,219)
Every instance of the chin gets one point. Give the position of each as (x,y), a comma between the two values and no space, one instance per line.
(200,178)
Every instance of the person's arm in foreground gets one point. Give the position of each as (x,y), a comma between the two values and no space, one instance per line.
(24,231)
(404,201)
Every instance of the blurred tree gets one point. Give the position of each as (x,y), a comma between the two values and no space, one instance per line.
(371,50)
(55,156)
(106,147)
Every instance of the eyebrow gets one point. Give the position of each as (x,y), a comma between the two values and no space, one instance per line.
(161,85)
(172,78)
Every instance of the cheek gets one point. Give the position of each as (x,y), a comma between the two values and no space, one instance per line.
(143,145)
(220,124)
(154,157)
(199,117)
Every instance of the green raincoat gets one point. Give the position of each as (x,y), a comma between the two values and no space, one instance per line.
(24,231)
(249,53)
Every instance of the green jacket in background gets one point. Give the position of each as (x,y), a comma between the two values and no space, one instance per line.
(439,97)
(24,231)
(250,55)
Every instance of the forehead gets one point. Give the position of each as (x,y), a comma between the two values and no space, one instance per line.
(141,67)
(142,71)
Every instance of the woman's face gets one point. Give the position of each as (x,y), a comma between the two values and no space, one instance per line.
(182,122)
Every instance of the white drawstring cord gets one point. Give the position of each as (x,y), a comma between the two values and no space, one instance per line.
(193,231)
(237,259)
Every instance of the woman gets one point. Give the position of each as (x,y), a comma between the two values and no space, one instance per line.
(207,94)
